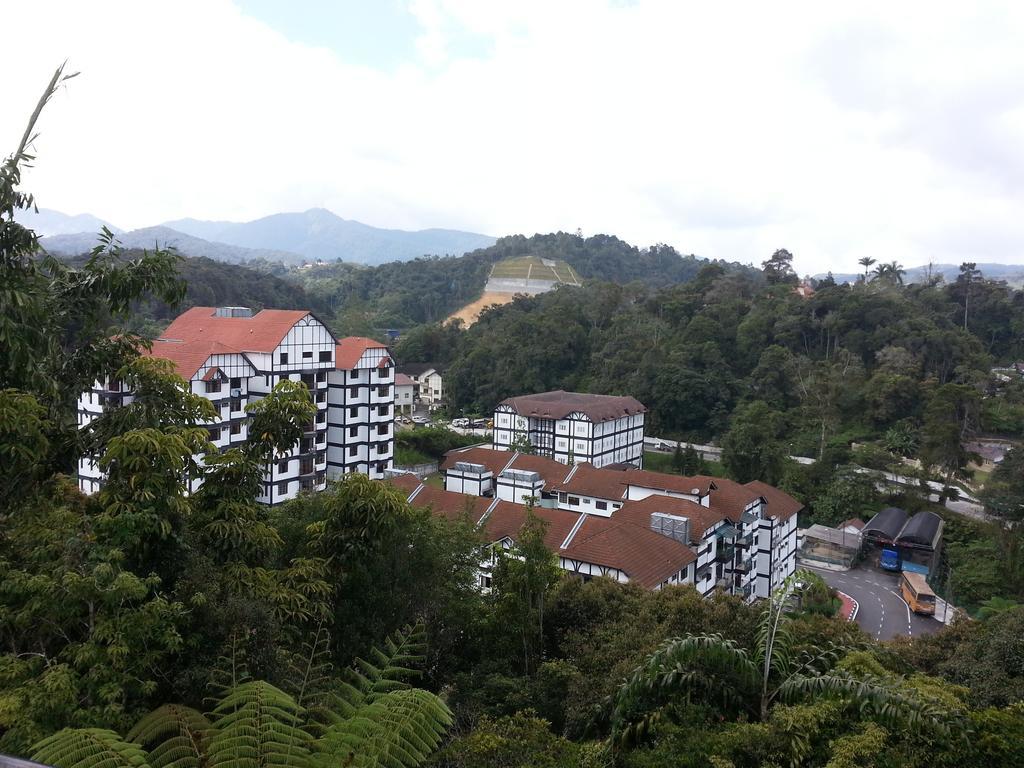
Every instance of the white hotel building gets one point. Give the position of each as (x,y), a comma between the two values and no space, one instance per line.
(233,357)
(572,427)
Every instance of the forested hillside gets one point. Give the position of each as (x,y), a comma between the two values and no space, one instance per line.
(404,294)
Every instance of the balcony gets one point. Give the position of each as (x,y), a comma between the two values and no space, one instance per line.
(725,553)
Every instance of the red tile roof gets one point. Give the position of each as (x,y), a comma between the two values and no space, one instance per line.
(262,332)
(588,480)
(506,520)
(559,404)
(731,498)
(406,482)
(401,380)
(451,505)
(646,557)
(701,518)
(188,358)
(495,461)
(659,481)
(779,503)
(350,349)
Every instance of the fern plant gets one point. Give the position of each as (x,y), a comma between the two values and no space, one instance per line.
(372,720)
(702,667)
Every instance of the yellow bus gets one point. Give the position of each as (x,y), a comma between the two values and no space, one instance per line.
(917,593)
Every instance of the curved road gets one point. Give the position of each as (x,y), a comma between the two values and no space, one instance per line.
(883,614)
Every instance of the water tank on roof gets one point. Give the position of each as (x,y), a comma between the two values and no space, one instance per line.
(522,476)
(232,312)
(469,467)
(673,526)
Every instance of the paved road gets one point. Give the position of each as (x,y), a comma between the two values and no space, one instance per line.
(882,614)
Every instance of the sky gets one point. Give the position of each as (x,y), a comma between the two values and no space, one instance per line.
(835,130)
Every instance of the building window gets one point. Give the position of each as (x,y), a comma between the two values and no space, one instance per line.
(321,397)
(214,433)
(236,404)
(325,356)
(353,412)
(307,355)
(381,466)
(383,391)
(382,372)
(236,428)
(306,466)
(321,377)
(284,358)
(574,501)
(353,431)
(282,467)
(213,385)
(353,391)
(282,488)
(321,457)
(321,417)
(353,450)
(236,383)
(353,375)
(601,504)
(382,429)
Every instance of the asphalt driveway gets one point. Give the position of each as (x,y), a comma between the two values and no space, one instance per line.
(883,614)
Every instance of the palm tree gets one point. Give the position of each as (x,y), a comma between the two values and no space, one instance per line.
(373,720)
(892,272)
(709,667)
(866,262)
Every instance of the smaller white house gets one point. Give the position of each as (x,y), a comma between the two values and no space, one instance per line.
(572,427)
(428,382)
(405,390)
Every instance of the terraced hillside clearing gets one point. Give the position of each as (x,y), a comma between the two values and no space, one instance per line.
(522,275)
(535,268)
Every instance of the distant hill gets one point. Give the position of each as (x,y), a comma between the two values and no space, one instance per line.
(47,222)
(148,237)
(318,234)
(1011,273)
(427,290)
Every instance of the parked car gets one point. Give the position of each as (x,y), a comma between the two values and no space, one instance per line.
(460,422)
(420,420)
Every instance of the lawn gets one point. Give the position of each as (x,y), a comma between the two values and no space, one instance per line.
(534,268)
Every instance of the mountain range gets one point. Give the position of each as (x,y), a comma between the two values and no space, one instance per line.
(292,238)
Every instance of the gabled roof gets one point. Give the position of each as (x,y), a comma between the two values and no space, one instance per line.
(779,504)
(350,349)
(698,485)
(731,498)
(646,557)
(853,522)
(588,480)
(188,358)
(407,482)
(451,505)
(495,461)
(559,404)
(401,380)
(262,332)
(417,369)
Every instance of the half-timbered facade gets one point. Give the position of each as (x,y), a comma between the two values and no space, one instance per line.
(361,412)
(742,537)
(572,427)
(234,357)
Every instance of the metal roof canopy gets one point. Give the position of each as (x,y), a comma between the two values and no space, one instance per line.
(886,525)
(922,531)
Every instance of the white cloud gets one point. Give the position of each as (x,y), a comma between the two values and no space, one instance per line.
(727,130)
